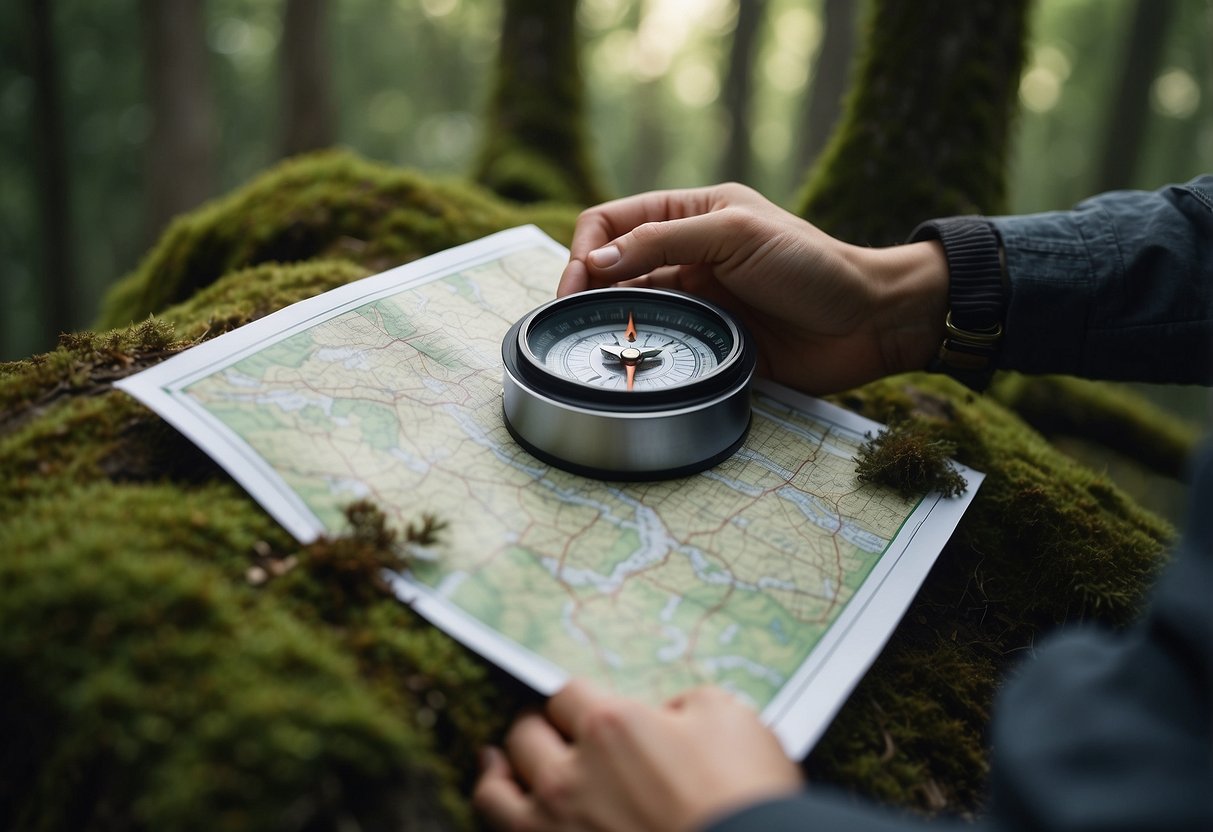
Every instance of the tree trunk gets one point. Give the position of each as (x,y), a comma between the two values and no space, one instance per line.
(309,118)
(823,98)
(927,131)
(650,146)
(1129,111)
(58,308)
(735,164)
(535,137)
(181,150)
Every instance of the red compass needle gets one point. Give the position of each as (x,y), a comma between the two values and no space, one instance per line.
(630,332)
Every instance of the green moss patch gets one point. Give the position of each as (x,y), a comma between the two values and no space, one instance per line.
(327,205)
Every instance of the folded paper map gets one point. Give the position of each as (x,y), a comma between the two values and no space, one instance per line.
(775,574)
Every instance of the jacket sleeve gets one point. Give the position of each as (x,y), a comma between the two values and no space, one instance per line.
(1120,287)
(820,811)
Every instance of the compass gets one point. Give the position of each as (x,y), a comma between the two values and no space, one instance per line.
(628,383)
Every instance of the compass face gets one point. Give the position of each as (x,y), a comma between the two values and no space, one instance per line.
(628,383)
(677,342)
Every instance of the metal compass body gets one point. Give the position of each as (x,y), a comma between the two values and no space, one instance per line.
(628,383)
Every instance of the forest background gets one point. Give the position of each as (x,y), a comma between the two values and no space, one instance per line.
(116,115)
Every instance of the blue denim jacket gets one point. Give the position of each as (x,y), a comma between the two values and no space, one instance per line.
(1098,731)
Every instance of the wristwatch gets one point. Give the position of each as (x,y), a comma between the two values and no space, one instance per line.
(976,297)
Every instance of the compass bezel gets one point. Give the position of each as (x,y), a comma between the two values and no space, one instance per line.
(735,366)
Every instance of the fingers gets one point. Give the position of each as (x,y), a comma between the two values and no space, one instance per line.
(533,744)
(574,279)
(729,235)
(498,796)
(706,698)
(603,223)
(616,240)
(570,705)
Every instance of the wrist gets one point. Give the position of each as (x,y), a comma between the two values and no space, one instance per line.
(910,285)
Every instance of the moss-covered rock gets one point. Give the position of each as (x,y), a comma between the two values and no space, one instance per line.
(173,659)
(327,205)
(1113,416)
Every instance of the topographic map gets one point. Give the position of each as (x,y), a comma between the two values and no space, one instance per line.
(774,574)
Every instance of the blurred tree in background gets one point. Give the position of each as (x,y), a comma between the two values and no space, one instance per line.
(99,144)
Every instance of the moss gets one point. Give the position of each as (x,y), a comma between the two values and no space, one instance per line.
(908,458)
(82,362)
(327,205)
(244,295)
(1046,541)
(1114,416)
(157,692)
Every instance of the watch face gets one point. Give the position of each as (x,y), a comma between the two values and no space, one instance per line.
(628,383)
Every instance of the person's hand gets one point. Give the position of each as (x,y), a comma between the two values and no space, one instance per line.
(602,762)
(825,315)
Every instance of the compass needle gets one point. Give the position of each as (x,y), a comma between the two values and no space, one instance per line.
(630,333)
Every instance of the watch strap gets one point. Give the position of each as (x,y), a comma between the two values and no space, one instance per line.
(976,297)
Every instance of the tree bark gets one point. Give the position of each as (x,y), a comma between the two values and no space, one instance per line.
(309,117)
(58,311)
(927,131)
(738,89)
(823,99)
(1129,110)
(535,137)
(181,150)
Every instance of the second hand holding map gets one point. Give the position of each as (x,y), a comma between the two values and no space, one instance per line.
(774,574)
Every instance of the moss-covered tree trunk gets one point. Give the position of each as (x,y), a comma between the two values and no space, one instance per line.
(926,128)
(739,90)
(535,137)
(827,84)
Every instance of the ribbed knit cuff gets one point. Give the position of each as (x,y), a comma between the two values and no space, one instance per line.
(976,298)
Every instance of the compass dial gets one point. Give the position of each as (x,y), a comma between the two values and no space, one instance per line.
(628,383)
(675,358)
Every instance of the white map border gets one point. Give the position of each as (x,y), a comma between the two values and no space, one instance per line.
(808,701)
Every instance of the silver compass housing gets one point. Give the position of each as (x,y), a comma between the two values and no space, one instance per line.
(628,435)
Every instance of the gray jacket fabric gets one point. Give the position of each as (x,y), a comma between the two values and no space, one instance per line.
(1098,731)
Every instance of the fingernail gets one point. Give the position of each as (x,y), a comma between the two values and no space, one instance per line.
(604,257)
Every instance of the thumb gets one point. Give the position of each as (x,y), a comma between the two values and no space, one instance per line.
(706,238)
